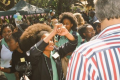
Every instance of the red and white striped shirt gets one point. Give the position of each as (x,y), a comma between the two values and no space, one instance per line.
(98,59)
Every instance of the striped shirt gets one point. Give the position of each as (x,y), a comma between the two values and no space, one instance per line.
(98,59)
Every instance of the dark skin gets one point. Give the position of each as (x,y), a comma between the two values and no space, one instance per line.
(98,28)
(89,33)
(6,33)
(67,24)
(48,38)
(13,45)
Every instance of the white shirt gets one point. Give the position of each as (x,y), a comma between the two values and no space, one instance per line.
(6,56)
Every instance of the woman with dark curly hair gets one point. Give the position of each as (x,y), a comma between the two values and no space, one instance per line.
(70,22)
(44,57)
(5,53)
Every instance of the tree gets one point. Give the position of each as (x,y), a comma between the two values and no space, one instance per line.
(58,5)
(5,6)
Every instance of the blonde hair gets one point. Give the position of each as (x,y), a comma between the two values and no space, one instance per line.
(80,19)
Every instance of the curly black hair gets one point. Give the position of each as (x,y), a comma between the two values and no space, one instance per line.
(82,30)
(32,35)
(71,17)
(16,36)
(7,25)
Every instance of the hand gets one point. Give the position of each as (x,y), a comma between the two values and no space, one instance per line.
(62,31)
(25,78)
(56,27)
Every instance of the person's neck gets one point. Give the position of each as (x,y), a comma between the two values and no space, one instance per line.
(6,40)
(19,50)
(47,53)
(105,23)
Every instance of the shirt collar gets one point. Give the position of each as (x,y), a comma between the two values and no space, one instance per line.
(3,42)
(109,30)
(71,31)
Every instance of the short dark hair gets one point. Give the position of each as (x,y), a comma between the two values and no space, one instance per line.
(82,30)
(32,35)
(54,17)
(92,12)
(24,26)
(7,25)
(16,36)
(71,17)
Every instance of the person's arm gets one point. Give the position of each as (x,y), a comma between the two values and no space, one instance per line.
(38,48)
(67,48)
(10,69)
(36,51)
(51,35)
(7,70)
(70,45)
(62,31)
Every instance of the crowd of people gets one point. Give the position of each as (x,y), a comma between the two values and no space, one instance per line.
(72,46)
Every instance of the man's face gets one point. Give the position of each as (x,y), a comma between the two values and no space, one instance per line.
(90,32)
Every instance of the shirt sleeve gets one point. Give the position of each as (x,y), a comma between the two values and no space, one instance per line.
(38,48)
(36,51)
(67,47)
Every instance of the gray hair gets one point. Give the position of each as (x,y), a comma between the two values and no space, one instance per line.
(109,9)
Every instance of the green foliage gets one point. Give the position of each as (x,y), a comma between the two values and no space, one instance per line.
(58,5)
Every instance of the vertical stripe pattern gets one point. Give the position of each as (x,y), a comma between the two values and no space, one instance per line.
(98,59)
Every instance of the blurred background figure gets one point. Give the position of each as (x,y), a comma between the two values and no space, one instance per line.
(86,32)
(80,19)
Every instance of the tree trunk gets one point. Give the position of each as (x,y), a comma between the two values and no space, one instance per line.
(59,6)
